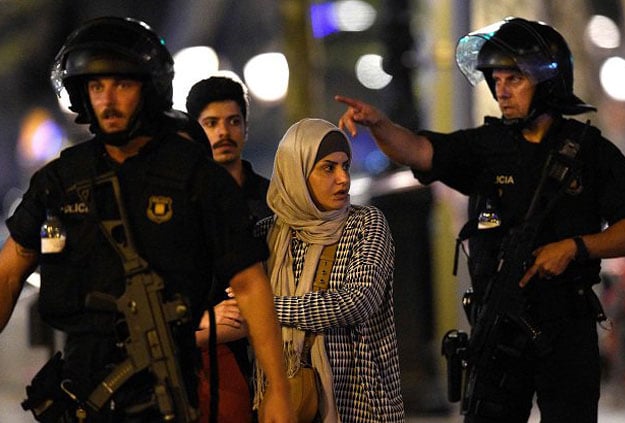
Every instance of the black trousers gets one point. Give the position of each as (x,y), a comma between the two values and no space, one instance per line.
(566,381)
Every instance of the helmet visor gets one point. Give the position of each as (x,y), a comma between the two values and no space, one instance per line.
(56,77)
(518,45)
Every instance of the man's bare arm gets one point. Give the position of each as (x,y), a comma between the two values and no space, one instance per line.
(16,263)
(253,292)
(400,144)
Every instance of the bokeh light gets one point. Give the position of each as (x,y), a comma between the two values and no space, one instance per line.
(611,77)
(345,15)
(376,162)
(191,64)
(603,32)
(370,73)
(354,15)
(40,139)
(267,76)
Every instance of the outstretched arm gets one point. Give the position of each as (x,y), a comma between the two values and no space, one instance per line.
(253,292)
(398,143)
(16,263)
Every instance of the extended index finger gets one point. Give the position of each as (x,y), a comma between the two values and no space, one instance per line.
(351,102)
(528,275)
(346,122)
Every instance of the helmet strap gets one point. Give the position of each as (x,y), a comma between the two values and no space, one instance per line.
(524,122)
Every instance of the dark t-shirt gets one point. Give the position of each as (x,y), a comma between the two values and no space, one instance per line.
(255,191)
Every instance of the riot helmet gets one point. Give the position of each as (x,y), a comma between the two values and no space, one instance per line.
(533,48)
(115,46)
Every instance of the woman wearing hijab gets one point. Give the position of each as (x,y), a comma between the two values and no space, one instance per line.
(355,348)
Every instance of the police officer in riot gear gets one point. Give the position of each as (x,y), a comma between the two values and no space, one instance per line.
(186,216)
(529,70)
(537,50)
(91,50)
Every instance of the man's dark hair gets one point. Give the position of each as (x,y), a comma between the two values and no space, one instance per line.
(216,88)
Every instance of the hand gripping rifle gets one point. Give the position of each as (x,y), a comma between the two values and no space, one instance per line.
(150,343)
(503,303)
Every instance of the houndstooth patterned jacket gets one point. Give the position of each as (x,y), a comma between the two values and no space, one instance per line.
(356,315)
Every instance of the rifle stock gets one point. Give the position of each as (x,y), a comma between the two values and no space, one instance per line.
(149,346)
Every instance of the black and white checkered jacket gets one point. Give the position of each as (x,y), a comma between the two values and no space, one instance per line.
(356,315)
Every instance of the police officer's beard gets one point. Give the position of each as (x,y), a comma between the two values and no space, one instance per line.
(120,138)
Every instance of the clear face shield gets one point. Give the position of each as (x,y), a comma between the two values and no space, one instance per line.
(517,45)
(57,74)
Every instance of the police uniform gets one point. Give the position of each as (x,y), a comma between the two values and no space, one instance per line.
(494,162)
(189,222)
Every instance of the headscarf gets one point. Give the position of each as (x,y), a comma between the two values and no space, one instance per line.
(297,215)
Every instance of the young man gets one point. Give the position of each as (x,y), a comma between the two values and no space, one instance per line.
(220,105)
(529,70)
(187,219)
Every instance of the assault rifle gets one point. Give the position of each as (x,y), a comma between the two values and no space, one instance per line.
(149,319)
(502,306)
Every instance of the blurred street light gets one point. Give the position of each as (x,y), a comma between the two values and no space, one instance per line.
(603,32)
(370,72)
(611,77)
(191,65)
(267,76)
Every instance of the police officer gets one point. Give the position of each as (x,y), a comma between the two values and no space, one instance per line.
(187,217)
(529,70)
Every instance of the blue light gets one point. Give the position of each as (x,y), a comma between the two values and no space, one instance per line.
(376,162)
(366,157)
(46,141)
(323,20)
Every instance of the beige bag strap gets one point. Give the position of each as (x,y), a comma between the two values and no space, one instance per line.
(320,283)
(324,267)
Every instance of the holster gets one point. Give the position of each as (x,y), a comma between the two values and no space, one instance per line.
(45,397)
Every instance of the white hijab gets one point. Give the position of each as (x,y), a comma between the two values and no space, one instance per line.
(297,214)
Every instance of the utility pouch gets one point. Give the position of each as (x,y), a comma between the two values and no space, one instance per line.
(45,397)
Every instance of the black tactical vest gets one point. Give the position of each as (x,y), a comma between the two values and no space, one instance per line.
(165,225)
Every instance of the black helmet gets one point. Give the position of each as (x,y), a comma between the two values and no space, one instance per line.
(114,46)
(534,48)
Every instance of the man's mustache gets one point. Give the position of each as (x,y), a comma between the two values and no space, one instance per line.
(225,143)
(111,113)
